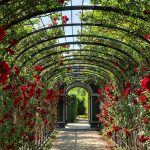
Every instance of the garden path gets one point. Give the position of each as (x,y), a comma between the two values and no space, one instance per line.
(79,136)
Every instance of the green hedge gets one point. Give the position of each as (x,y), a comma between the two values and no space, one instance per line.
(72,108)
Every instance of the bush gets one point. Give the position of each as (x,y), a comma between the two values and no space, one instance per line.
(81,107)
(72,108)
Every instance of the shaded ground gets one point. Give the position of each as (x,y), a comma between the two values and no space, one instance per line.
(79,136)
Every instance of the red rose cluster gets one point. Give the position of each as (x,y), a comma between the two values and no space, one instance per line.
(38,68)
(2,33)
(145,83)
(4,71)
(65,19)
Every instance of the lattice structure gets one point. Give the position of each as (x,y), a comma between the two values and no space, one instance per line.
(73,49)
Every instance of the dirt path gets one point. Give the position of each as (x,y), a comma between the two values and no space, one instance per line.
(79,136)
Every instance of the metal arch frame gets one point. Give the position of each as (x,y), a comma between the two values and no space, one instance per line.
(94,9)
(70,76)
(118,50)
(95,65)
(52,38)
(84,68)
(87,43)
(82,35)
(83,85)
(53,10)
(88,24)
(92,36)
(55,72)
(60,77)
(53,64)
(90,68)
(102,67)
(82,50)
(91,56)
(106,9)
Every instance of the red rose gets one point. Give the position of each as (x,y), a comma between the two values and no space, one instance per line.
(45,121)
(116,128)
(135,69)
(138,91)
(127,84)
(2,33)
(4,68)
(127,91)
(2,121)
(37,77)
(8,87)
(147,107)
(145,120)
(4,71)
(111,119)
(126,131)
(64,19)
(109,134)
(3,78)
(145,83)
(9,51)
(134,101)
(147,37)
(38,68)
(143,139)
(17,71)
(13,42)
(143,98)
(31,137)
(99,91)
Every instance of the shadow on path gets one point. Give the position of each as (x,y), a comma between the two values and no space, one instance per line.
(79,136)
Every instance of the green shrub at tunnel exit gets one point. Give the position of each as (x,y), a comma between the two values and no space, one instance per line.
(81,107)
(72,108)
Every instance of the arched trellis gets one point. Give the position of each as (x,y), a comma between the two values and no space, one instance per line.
(82,70)
(56,71)
(92,61)
(102,8)
(93,36)
(87,43)
(89,76)
(94,8)
(60,77)
(42,62)
(92,58)
(83,85)
(96,68)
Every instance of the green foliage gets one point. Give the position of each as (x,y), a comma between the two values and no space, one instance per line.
(81,107)
(50,141)
(72,108)
(82,97)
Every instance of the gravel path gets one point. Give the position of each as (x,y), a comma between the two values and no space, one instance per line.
(79,136)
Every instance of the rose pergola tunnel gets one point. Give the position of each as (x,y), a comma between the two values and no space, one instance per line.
(49,47)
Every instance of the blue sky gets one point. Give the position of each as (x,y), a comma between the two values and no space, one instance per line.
(75,19)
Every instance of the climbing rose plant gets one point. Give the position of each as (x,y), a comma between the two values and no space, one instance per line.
(26,106)
(125,112)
